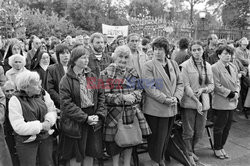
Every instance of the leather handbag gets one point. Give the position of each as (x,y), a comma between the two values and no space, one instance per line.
(71,128)
(128,134)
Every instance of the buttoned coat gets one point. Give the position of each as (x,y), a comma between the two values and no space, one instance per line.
(159,87)
(224,83)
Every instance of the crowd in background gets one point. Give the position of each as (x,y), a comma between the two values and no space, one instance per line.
(50,114)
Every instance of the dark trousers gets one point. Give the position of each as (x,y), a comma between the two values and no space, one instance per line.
(158,140)
(222,126)
(28,153)
(5,159)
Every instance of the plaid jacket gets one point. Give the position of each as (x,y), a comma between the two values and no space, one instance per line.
(122,82)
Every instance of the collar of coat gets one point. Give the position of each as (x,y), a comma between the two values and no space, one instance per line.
(72,74)
(112,70)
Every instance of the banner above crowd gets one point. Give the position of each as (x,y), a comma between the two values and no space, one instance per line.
(114,30)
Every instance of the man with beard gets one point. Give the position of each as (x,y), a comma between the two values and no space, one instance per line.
(242,53)
(138,58)
(209,53)
(35,44)
(98,60)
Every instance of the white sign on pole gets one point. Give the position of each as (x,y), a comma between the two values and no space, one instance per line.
(114,30)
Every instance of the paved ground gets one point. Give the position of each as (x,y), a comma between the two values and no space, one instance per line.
(237,146)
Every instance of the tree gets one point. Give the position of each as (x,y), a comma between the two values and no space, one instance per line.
(234,13)
(11,19)
(90,14)
(43,24)
(143,8)
(192,4)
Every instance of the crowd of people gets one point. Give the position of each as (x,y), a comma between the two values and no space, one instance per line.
(67,102)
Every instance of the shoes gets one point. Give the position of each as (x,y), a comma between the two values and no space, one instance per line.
(225,154)
(218,154)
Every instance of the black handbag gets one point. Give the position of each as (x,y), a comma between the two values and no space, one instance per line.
(71,128)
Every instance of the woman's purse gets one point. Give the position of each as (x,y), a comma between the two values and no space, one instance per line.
(128,134)
(71,128)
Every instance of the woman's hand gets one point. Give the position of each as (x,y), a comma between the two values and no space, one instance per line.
(128,98)
(171,101)
(46,125)
(93,119)
(199,92)
(199,107)
(235,98)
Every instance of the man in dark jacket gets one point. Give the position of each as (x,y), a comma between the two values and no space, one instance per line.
(98,60)
(209,52)
(35,44)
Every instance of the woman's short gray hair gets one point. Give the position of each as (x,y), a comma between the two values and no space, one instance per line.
(121,50)
(24,79)
(12,59)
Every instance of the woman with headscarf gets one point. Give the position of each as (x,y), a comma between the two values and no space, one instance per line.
(198,83)
(17,62)
(41,65)
(14,47)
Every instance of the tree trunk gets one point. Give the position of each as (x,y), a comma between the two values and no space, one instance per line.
(191,11)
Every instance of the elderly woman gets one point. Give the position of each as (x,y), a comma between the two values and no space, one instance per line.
(225,98)
(198,82)
(9,89)
(164,89)
(123,99)
(17,62)
(84,108)
(32,113)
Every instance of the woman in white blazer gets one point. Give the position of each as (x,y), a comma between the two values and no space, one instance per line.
(225,97)
(198,83)
(164,88)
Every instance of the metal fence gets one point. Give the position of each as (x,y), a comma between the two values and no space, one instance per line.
(176,30)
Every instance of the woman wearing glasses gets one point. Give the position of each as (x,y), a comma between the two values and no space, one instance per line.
(198,82)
